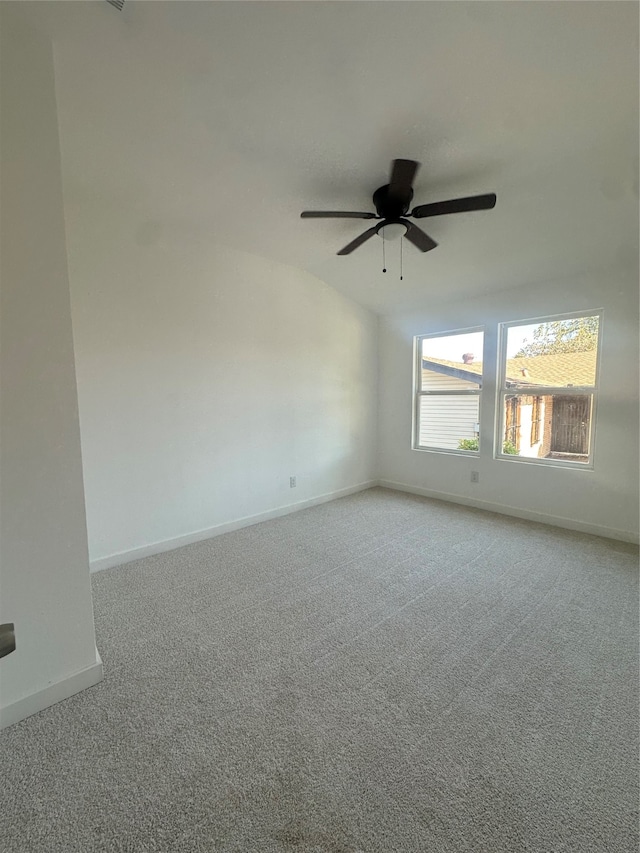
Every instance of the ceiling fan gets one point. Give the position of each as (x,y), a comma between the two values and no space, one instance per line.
(392,205)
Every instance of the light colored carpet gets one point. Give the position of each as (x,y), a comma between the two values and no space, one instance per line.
(380,673)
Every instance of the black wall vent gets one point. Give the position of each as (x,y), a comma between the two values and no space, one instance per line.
(117,3)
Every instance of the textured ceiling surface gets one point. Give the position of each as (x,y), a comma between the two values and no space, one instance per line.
(224,120)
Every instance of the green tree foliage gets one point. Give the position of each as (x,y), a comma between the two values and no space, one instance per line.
(473,443)
(558,336)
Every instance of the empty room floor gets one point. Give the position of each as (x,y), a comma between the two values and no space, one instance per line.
(380,673)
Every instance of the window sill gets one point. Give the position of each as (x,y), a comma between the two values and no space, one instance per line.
(547,462)
(448,451)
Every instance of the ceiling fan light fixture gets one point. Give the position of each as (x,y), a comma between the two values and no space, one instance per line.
(392,230)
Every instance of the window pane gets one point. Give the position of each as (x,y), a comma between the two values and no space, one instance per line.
(556,353)
(449,422)
(551,427)
(452,362)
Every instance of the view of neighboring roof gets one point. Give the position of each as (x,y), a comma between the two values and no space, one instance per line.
(473,368)
(560,369)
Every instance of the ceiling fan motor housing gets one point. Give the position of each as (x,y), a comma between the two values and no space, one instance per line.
(392,206)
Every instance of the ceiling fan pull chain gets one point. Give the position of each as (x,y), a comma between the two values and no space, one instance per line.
(384,263)
(401,259)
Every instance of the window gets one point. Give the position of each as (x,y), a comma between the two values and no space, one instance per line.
(512,422)
(447,391)
(535,420)
(548,388)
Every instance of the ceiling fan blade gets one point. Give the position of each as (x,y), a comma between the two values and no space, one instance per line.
(336,214)
(417,236)
(455,205)
(358,241)
(402,174)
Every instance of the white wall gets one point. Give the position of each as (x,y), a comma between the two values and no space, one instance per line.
(604,500)
(44,582)
(207,377)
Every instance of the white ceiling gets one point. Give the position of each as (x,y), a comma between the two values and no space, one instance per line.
(224,120)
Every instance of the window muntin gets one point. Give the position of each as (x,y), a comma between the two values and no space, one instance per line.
(547,396)
(447,391)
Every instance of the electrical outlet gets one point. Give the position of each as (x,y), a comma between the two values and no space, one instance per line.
(292,482)
(475,476)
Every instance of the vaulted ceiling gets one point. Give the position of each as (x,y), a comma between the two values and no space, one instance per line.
(224,120)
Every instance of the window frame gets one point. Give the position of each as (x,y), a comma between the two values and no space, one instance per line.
(545,391)
(418,392)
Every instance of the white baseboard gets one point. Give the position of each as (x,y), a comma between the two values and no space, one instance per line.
(528,515)
(189,538)
(41,699)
